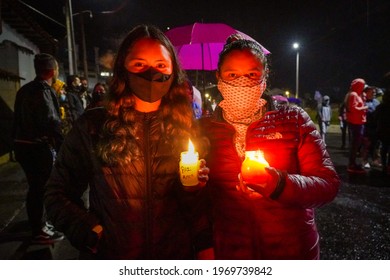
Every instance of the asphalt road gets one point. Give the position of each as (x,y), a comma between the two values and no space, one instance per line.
(356,225)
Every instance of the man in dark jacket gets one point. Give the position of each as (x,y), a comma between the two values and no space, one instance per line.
(37,137)
(74,101)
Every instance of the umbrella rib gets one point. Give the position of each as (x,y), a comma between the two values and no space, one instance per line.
(192,32)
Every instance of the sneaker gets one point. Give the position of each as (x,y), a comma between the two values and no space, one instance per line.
(367,165)
(355,169)
(48,226)
(47,236)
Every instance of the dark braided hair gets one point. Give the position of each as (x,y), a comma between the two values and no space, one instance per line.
(237,42)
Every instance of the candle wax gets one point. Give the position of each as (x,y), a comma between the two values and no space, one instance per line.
(253,168)
(189,166)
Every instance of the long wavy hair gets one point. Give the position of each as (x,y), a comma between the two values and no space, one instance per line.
(117,143)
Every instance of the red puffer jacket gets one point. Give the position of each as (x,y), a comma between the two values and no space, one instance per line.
(264,228)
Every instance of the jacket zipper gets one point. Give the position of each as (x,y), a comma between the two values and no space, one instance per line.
(148,179)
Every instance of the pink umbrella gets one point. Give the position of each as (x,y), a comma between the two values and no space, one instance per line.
(199,44)
(279,98)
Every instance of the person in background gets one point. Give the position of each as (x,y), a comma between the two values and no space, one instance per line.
(37,139)
(58,86)
(98,95)
(84,94)
(210,107)
(128,154)
(273,216)
(356,118)
(213,105)
(197,102)
(370,140)
(74,106)
(324,115)
(279,100)
(343,125)
(382,118)
(196,99)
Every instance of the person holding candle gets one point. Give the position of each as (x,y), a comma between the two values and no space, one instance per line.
(128,154)
(261,211)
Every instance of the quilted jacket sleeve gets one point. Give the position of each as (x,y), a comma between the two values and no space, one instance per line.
(68,181)
(293,146)
(317,182)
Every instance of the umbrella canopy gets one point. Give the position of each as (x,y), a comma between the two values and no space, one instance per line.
(199,44)
(279,98)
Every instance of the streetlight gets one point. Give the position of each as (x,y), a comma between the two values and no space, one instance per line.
(70,37)
(296,46)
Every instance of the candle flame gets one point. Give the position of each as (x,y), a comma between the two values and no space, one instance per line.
(191,148)
(189,166)
(256,156)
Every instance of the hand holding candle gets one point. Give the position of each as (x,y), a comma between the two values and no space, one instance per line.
(253,168)
(189,166)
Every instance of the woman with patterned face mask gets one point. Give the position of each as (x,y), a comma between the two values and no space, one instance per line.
(128,153)
(270,216)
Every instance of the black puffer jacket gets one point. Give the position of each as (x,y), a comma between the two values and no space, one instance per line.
(36,115)
(281,227)
(143,209)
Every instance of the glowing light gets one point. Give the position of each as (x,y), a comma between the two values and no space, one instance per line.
(189,166)
(253,167)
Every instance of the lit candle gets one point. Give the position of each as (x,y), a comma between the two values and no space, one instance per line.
(253,168)
(189,166)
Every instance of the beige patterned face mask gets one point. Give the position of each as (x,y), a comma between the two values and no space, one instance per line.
(241,97)
(242,105)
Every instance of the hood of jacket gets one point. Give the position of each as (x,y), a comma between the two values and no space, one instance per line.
(357,86)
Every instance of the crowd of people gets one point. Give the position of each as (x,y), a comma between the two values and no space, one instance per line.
(120,147)
(363,115)
(75,97)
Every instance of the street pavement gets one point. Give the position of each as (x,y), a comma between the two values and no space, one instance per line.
(356,225)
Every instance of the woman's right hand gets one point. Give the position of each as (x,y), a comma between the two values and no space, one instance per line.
(254,191)
(245,190)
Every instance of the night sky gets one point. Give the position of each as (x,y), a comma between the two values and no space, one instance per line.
(339,40)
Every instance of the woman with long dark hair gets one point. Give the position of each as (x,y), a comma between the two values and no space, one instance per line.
(128,154)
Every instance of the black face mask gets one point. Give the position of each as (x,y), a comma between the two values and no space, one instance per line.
(150,85)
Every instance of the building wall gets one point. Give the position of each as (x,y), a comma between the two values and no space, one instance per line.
(23,64)
(17,57)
